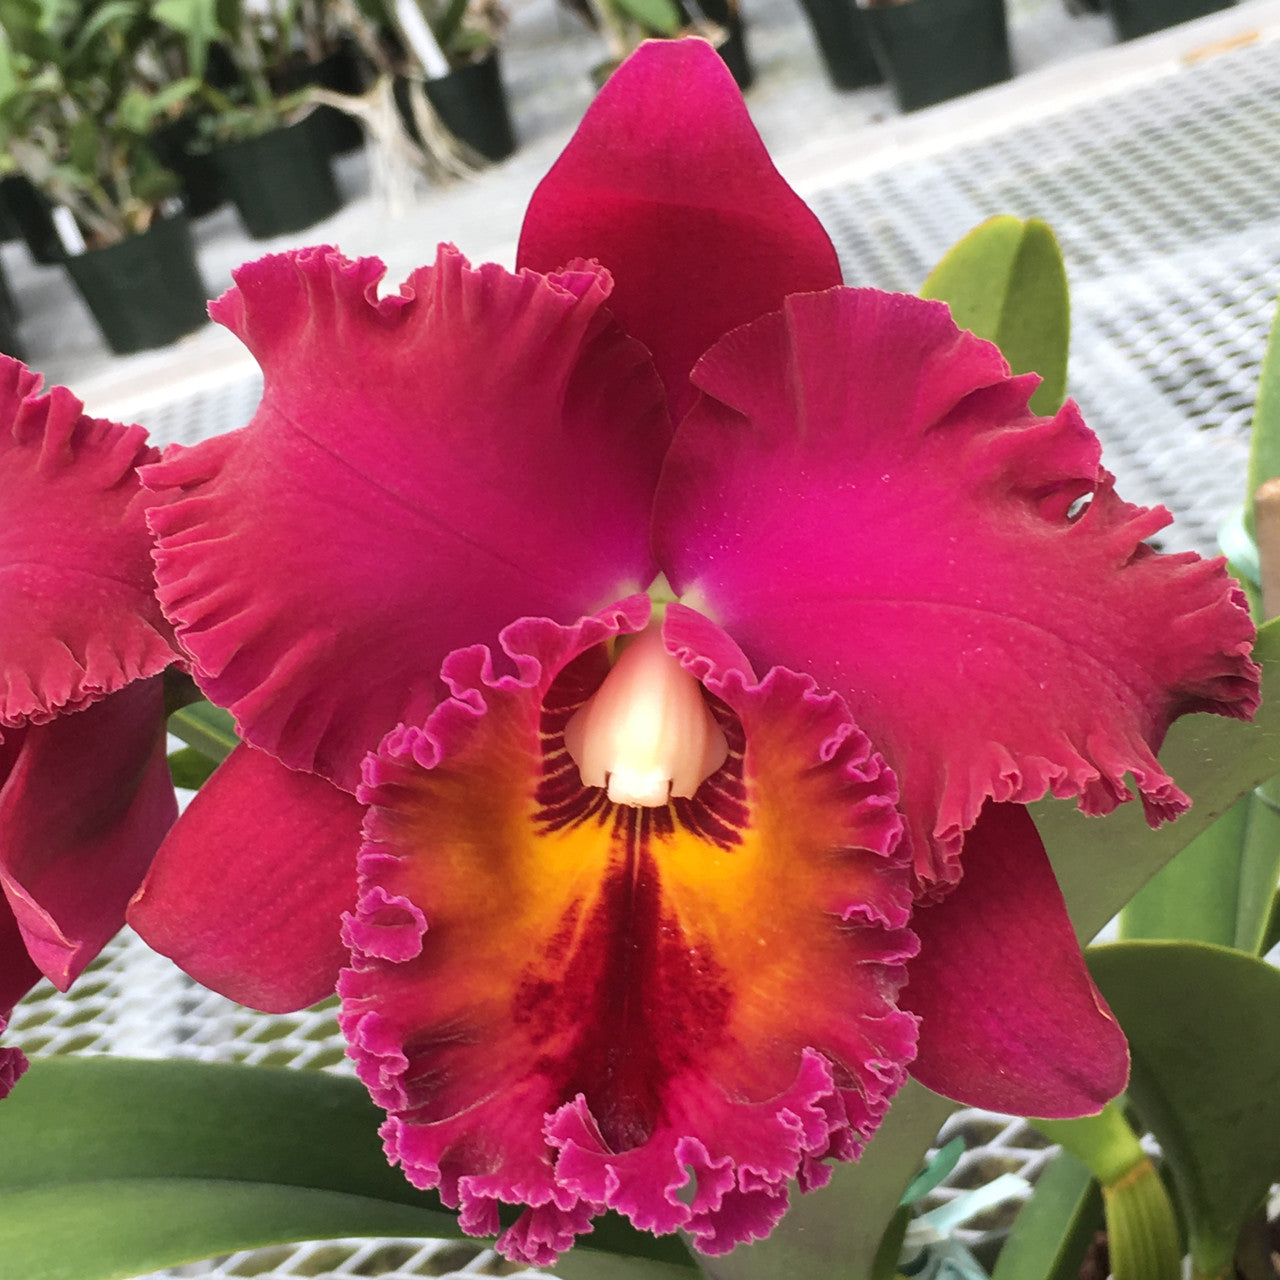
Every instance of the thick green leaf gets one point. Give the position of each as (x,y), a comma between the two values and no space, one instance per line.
(209,729)
(1006,282)
(1259,869)
(111,1167)
(1052,1233)
(585,1264)
(1204,1029)
(1196,896)
(1264,447)
(1220,887)
(190,768)
(934,1172)
(835,1233)
(106,1230)
(1101,864)
(660,17)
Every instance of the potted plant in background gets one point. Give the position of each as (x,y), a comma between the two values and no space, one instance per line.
(931,50)
(626,24)
(438,102)
(80,98)
(840,30)
(259,128)
(1134,18)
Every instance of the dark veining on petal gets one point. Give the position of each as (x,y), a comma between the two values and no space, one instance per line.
(637,1003)
(716,814)
(621,1001)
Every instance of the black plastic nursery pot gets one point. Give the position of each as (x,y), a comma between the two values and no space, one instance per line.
(281,181)
(932,50)
(10,340)
(202,191)
(30,213)
(145,291)
(727,15)
(840,29)
(471,101)
(1133,18)
(342,71)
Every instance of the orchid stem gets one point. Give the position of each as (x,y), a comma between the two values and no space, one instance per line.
(1142,1229)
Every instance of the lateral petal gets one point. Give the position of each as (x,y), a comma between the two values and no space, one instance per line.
(422,469)
(76,588)
(247,893)
(13,1062)
(18,972)
(1009,1018)
(84,804)
(862,493)
(568,1004)
(667,183)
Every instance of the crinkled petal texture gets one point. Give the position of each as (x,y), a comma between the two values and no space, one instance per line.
(863,494)
(1009,1017)
(76,588)
(572,1005)
(84,804)
(668,184)
(423,467)
(247,893)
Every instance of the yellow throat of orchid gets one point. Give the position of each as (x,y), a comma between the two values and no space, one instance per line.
(647,733)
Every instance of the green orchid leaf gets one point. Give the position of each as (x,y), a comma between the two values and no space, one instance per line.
(658,16)
(1271,934)
(1204,1029)
(190,768)
(1264,446)
(586,1264)
(1006,282)
(1220,888)
(1196,896)
(110,1230)
(1102,863)
(1054,1229)
(209,729)
(112,1168)
(9,83)
(836,1233)
(934,1172)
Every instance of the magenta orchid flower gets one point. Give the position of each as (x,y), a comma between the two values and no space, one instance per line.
(85,792)
(631,922)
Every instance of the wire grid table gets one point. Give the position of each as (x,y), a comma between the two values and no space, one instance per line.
(1165,197)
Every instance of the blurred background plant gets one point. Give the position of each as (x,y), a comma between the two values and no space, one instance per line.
(83,88)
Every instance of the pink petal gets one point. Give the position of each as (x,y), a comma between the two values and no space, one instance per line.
(863,494)
(247,893)
(565,1004)
(1010,1019)
(422,469)
(18,973)
(13,1062)
(84,803)
(667,183)
(76,589)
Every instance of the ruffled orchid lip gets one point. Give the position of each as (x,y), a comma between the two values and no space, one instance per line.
(609,998)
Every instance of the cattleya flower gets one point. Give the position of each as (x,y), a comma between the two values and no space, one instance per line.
(662,733)
(85,792)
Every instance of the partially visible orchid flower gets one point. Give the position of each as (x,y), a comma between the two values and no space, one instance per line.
(662,735)
(85,792)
